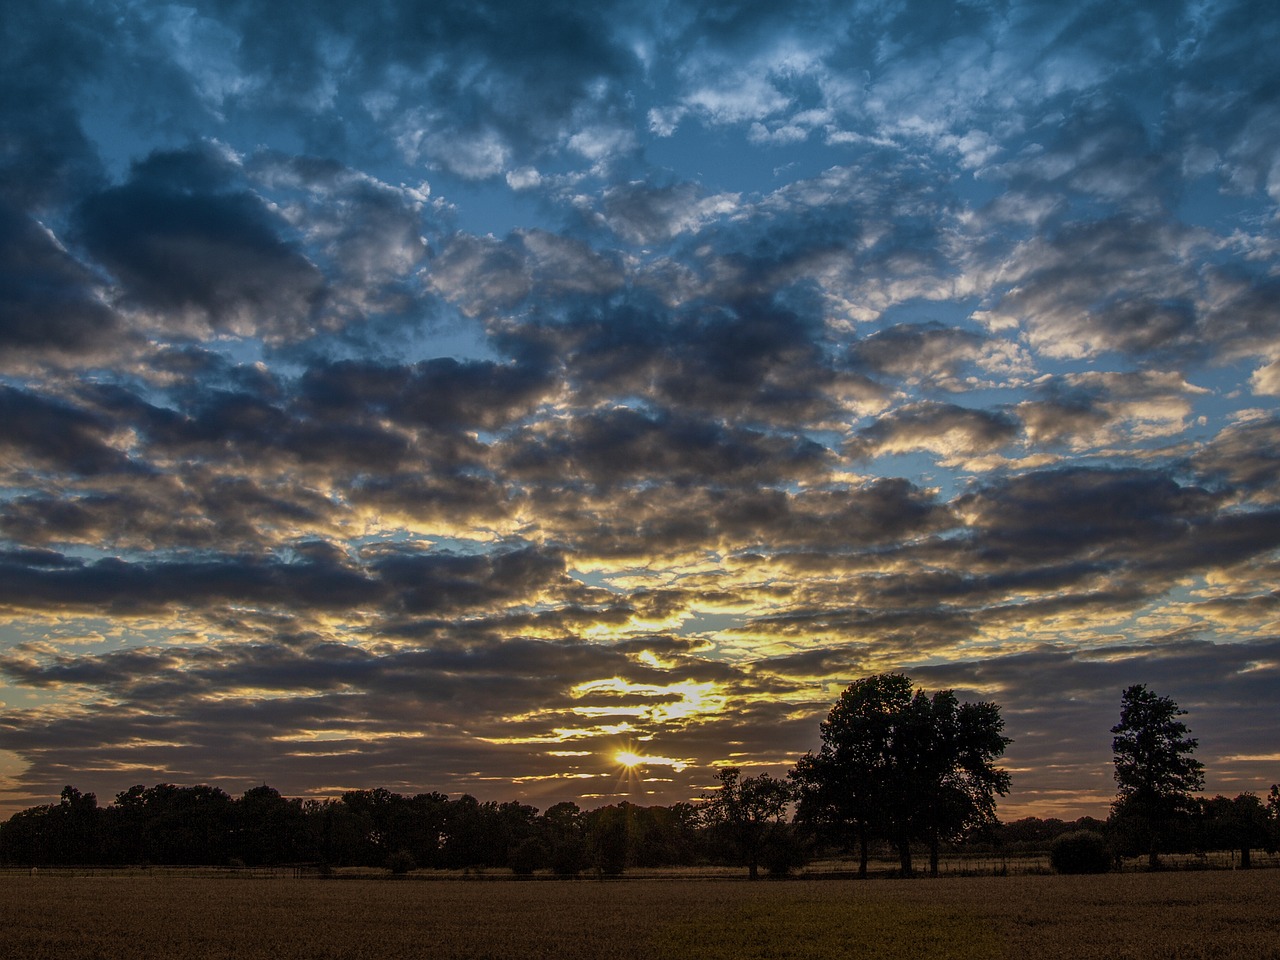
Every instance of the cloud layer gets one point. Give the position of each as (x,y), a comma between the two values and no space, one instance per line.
(454,395)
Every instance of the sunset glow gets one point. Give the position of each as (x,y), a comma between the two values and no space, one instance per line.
(482,396)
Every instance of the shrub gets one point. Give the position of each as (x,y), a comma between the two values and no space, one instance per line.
(568,857)
(401,862)
(528,856)
(784,851)
(1081,851)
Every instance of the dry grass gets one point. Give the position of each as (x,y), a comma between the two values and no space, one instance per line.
(1184,916)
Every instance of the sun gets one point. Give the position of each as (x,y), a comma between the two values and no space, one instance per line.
(628,759)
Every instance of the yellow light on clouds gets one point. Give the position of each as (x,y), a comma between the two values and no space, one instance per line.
(631,760)
(694,699)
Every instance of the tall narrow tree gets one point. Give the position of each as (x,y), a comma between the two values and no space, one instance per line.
(1154,768)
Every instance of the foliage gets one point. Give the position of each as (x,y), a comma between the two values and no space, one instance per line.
(785,850)
(1154,769)
(844,790)
(401,862)
(1273,819)
(529,855)
(569,857)
(1081,851)
(749,813)
(899,764)
(607,836)
(1241,824)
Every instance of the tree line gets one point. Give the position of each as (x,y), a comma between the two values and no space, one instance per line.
(898,769)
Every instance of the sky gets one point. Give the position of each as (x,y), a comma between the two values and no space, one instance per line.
(454,395)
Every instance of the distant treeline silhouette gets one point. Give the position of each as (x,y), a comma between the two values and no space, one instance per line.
(203,825)
(897,769)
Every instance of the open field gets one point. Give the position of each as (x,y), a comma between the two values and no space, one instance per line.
(1181,915)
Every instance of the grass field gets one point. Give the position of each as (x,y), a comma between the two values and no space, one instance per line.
(1117,917)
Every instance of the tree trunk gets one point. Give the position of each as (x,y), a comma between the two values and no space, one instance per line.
(753,871)
(933,853)
(863,852)
(904,856)
(1245,862)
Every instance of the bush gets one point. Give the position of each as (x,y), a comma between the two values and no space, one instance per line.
(401,862)
(568,857)
(528,856)
(1081,851)
(784,851)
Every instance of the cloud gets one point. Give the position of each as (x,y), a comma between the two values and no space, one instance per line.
(478,89)
(44,433)
(622,447)
(462,394)
(949,431)
(182,247)
(50,301)
(643,214)
(1090,410)
(47,157)
(1245,456)
(1149,301)
(932,353)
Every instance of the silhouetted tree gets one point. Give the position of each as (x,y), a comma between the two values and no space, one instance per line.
(171,824)
(951,764)
(34,836)
(1235,824)
(484,834)
(76,824)
(563,832)
(1273,819)
(1154,768)
(606,838)
(528,855)
(372,814)
(844,790)
(748,812)
(903,765)
(269,827)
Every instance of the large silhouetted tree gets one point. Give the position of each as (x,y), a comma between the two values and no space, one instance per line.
(954,778)
(1154,769)
(900,764)
(844,789)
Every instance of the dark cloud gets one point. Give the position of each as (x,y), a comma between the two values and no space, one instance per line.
(1093,409)
(125,588)
(1119,284)
(181,246)
(931,352)
(643,214)
(45,433)
(441,394)
(47,298)
(624,447)
(45,156)
(946,430)
(434,584)
(476,88)
(1109,515)
(1246,455)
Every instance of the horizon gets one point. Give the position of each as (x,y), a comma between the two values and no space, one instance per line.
(457,395)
